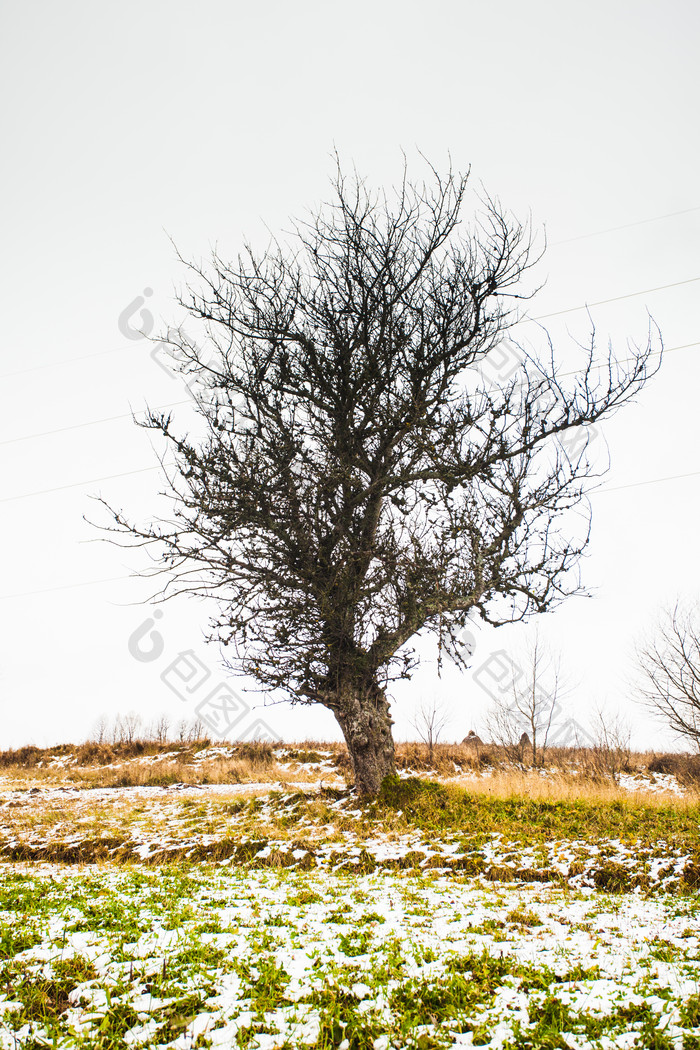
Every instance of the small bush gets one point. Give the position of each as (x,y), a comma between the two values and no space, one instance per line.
(257,752)
(343,760)
(22,756)
(310,757)
(613,878)
(399,793)
(686,768)
(447,759)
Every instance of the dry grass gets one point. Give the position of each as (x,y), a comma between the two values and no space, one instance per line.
(571,773)
(160,774)
(563,787)
(143,764)
(87,754)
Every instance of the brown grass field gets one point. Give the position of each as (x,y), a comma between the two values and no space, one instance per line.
(566,774)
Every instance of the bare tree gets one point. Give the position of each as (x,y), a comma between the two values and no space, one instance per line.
(669,662)
(430,721)
(190,731)
(355,481)
(611,751)
(521,718)
(117,732)
(161,728)
(126,727)
(197,733)
(100,729)
(504,727)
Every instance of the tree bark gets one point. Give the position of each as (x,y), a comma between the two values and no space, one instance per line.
(366,723)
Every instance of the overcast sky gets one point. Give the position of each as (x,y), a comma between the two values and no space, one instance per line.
(125,124)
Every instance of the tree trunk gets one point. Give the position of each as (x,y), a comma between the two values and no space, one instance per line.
(366,724)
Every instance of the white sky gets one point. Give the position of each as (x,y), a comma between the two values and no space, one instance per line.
(214,120)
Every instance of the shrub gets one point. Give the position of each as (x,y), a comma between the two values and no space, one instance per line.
(686,768)
(257,752)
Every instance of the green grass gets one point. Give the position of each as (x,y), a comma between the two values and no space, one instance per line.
(359,926)
(432,806)
(280,942)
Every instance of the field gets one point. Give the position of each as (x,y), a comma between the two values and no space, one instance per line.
(197,896)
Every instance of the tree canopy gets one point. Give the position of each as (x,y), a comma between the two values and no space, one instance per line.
(359,480)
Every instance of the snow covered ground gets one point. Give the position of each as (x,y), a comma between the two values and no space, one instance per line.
(223,956)
(307,828)
(66,771)
(265,916)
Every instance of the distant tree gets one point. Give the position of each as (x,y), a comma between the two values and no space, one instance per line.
(197,733)
(430,721)
(160,729)
(190,731)
(126,728)
(355,481)
(521,718)
(100,729)
(669,662)
(611,751)
(117,731)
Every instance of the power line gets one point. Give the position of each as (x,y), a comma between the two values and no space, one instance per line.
(626,360)
(89,423)
(67,361)
(625,226)
(63,587)
(615,299)
(132,345)
(115,579)
(77,484)
(176,404)
(142,470)
(649,481)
